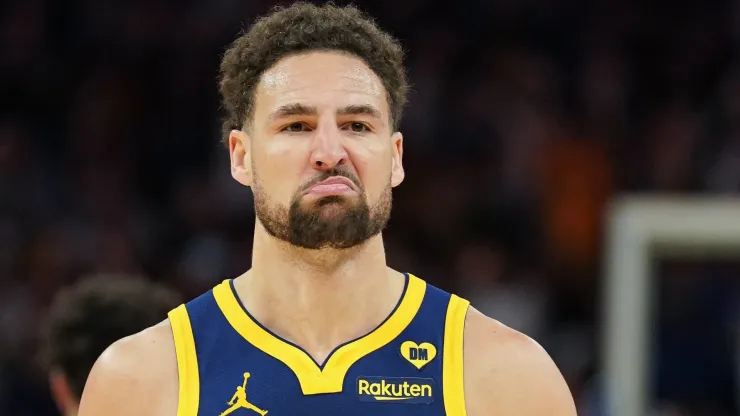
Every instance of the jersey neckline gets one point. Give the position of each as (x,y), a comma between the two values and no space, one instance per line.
(329,377)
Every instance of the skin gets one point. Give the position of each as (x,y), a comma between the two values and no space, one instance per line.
(66,401)
(319,299)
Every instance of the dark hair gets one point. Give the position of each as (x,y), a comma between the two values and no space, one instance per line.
(86,318)
(301,28)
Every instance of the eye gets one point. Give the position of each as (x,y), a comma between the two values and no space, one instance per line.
(357,127)
(295,127)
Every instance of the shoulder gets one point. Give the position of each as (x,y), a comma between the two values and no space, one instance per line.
(135,375)
(506,372)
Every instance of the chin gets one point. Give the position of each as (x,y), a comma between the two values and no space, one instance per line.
(335,200)
(330,210)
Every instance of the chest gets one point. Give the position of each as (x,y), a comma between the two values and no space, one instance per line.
(402,378)
(244,369)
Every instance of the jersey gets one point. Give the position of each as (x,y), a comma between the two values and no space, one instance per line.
(411,364)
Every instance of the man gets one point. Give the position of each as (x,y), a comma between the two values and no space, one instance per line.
(320,323)
(89,316)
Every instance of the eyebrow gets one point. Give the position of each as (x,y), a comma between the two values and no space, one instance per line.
(364,109)
(295,109)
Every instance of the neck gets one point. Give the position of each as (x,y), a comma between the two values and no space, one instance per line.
(318,299)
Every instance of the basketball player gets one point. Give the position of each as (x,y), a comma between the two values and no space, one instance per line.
(89,316)
(320,325)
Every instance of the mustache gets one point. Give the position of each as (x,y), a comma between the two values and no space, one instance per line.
(339,171)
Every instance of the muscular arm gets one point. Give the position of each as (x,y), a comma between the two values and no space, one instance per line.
(135,376)
(507,373)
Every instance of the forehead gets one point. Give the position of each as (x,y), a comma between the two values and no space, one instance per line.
(323,79)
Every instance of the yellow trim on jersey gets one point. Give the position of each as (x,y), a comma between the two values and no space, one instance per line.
(313,379)
(452,360)
(187,362)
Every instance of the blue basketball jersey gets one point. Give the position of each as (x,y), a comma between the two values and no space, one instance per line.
(411,364)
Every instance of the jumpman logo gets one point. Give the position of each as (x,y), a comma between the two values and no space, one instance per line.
(239,400)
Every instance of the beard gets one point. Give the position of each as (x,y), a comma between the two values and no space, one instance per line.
(334,221)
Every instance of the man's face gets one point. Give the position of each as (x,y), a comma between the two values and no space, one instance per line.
(320,155)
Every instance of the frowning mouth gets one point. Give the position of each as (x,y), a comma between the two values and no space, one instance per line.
(336,185)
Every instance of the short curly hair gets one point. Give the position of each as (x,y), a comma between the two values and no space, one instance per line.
(301,28)
(89,316)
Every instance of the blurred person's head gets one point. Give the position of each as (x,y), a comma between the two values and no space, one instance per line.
(89,316)
(314,95)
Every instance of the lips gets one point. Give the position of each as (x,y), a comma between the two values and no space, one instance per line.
(336,185)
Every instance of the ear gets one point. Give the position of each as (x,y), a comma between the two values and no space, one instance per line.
(62,392)
(239,151)
(397,172)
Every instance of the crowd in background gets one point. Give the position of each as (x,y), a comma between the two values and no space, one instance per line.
(526,117)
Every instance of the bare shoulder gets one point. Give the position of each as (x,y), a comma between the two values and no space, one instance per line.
(135,375)
(508,373)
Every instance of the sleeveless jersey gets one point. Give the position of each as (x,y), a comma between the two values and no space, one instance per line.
(411,364)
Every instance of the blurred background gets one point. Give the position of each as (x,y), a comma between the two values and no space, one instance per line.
(527,118)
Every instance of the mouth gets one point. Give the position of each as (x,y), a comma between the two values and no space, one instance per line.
(336,185)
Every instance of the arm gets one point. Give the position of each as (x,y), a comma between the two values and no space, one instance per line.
(507,373)
(135,376)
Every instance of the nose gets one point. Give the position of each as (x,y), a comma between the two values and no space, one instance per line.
(328,150)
